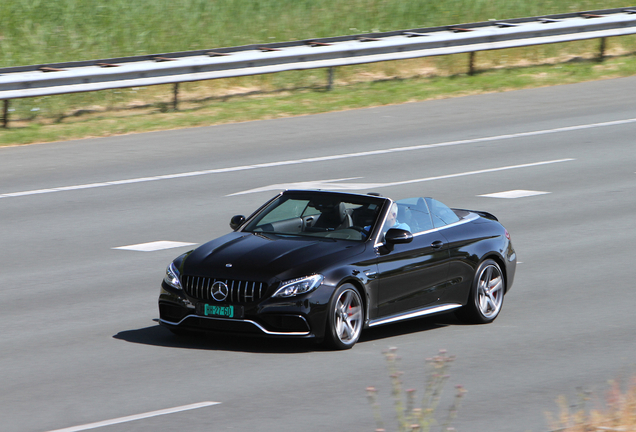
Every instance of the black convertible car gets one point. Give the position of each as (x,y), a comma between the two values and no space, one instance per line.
(325,265)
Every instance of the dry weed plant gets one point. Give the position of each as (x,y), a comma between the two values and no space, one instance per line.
(617,415)
(412,415)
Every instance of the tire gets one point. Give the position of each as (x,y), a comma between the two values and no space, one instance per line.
(345,319)
(486,295)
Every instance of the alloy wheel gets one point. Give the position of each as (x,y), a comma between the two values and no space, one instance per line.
(490,291)
(348,316)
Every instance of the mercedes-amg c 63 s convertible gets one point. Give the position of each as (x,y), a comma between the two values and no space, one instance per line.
(326,265)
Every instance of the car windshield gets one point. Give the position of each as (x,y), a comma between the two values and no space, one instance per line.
(319,214)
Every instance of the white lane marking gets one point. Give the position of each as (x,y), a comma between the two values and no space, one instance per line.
(136,417)
(316,184)
(318,159)
(331,185)
(518,193)
(154,246)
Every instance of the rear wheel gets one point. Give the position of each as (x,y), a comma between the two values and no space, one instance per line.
(486,294)
(344,323)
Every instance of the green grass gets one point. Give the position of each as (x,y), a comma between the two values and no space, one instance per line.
(47,31)
(41,32)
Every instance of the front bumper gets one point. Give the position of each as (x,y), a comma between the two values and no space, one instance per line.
(301,317)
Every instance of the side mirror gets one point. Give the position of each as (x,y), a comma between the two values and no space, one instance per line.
(396,236)
(236,222)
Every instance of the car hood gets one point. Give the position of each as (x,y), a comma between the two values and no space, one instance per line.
(249,256)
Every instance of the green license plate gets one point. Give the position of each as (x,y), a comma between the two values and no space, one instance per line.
(219,311)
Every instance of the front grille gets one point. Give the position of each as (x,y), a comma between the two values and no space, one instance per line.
(200,288)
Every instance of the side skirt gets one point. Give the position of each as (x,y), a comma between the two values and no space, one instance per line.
(414,314)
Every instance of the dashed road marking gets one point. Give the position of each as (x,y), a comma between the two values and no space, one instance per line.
(320,158)
(136,417)
(336,184)
(154,246)
(518,193)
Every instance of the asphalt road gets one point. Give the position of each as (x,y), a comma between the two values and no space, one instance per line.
(80,343)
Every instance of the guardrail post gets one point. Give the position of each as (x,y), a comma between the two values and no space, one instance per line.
(471,63)
(330,79)
(601,54)
(5,114)
(175,97)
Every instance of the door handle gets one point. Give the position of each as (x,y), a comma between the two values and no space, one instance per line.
(437,244)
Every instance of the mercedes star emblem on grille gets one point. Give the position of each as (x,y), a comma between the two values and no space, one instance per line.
(219,291)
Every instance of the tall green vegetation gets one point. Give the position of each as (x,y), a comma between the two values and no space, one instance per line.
(48,31)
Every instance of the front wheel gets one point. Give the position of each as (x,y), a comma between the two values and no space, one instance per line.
(486,295)
(344,323)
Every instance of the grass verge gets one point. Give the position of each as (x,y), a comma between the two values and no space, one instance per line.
(209,103)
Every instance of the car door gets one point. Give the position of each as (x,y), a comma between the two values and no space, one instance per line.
(462,248)
(412,275)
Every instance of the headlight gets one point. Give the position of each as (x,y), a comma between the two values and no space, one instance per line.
(172,277)
(299,286)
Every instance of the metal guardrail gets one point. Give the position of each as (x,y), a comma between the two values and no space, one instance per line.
(174,68)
